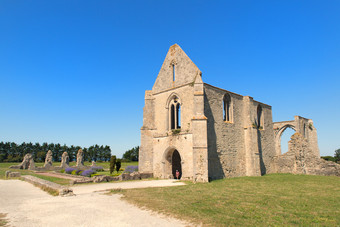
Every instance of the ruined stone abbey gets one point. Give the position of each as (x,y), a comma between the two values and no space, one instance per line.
(208,133)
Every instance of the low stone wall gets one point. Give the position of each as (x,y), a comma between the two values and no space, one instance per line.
(44,184)
(134,176)
(9,174)
(122,177)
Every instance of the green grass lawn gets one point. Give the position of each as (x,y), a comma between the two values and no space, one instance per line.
(271,200)
(106,165)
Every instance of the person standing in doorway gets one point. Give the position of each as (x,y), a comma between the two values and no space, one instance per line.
(177,174)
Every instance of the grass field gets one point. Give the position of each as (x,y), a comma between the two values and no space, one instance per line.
(106,165)
(271,200)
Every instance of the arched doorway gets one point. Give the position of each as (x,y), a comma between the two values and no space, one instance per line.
(176,164)
(172,162)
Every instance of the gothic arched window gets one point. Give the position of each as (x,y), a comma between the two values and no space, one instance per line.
(259,117)
(175,113)
(227,108)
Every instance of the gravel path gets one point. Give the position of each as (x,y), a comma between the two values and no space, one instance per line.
(27,205)
(85,189)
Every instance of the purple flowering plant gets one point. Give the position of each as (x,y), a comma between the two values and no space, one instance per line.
(69,170)
(131,169)
(87,173)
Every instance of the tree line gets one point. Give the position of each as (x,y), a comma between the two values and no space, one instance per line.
(12,152)
(336,157)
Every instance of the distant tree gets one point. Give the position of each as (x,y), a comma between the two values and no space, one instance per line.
(107,151)
(118,165)
(57,152)
(3,152)
(41,156)
(328,158)
(337,155)
(132,154)
(112,163)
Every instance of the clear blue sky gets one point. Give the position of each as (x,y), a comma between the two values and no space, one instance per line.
(75,72)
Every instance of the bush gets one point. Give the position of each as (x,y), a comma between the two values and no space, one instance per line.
(337,155)
(118,165)
(131,169)
(74,172)
(69,170)
(97,168)
(328,158)
(112,163)
(62,171)
(87,173)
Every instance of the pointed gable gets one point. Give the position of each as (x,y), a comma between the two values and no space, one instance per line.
(177,70)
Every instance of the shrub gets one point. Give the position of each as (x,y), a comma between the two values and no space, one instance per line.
(78,171)
(118,165)
(69,170)
(131,169)
(74,172)
(112,163)
(328,158)
(87,173)
(62,171)
(97,168)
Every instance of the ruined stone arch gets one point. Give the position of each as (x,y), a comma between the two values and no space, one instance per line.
(172,161)
(278,135)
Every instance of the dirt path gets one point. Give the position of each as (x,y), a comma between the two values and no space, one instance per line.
(26,205)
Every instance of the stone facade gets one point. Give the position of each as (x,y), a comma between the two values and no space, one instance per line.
(207,132)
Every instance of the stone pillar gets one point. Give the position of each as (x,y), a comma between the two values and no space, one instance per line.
(252,156)
(48,160)
(80,158)
(145,163)
(64,160)
(27,163)
(313,138)
(200,136)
